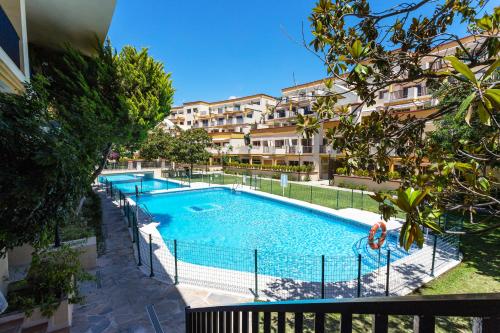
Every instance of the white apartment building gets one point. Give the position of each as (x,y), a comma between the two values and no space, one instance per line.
(271,133)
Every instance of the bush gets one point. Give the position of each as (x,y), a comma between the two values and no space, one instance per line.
(281,168)
(361,173)
(52,276)
(394,175)
(341,171)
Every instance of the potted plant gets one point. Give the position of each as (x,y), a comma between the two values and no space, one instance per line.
(49,286)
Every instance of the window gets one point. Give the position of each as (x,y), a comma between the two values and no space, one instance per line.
(181,123)
(239,120)
(405,92)
(188,111)
(189,122)
(237,107)
(195,110)
(381,94)
(294,142)
(220,110)
(249,114)
(279,143)
(256,143)
(205,123)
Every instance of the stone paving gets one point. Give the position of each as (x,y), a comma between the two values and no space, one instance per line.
(117,300)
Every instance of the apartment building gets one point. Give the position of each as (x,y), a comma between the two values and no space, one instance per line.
(269,136)
(48,24)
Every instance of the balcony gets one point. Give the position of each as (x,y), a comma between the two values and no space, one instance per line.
(9,40)
(399,94)
(307,149)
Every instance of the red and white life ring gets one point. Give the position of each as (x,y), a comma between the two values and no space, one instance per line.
(373,232)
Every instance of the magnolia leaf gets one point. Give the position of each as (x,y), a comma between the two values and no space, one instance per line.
(483,183)
(356,49)
(461,68)
(466,104)
(493,95)
(485,23)
(491,69)
(484,115)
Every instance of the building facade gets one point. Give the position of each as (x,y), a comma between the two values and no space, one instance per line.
(262,130)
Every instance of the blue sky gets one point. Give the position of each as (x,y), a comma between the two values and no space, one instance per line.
(222,48)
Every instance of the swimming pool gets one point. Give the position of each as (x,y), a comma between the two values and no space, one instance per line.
(126,182)
(221,228)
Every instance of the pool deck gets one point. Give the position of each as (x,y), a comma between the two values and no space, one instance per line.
(118,300)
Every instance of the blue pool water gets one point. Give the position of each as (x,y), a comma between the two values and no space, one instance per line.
(145,182)
(221,228)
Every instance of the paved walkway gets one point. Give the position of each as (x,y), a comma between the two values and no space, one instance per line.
(118,300)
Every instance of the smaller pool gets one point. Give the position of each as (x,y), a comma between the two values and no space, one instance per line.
(126,182)
(124,177)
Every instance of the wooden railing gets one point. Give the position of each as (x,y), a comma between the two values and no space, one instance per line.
(256,317)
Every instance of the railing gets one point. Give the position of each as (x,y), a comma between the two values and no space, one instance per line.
(307,149)
(399,94)
(9,40)
(327,315)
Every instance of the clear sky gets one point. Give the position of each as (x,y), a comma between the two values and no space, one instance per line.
(221,48)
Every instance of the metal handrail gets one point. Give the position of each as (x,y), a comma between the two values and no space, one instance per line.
(486,307)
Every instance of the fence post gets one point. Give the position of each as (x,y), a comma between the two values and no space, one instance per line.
(359,275)
(352,198)
(311,195)
(176,276)
(138,243)
(289,189)
(151,274)
(388,270)
(323,276)
(433,254)
(134,223)
(256,275)
(337,199)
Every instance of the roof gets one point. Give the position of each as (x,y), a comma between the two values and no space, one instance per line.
(229,100)
(54,23)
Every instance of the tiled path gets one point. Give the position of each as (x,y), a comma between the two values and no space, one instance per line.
(117,301)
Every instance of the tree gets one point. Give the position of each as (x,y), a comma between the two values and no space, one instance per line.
(190,147)
(367,51)
(57,136)
(41,177)
(106,99)
(159,144)
(148,91)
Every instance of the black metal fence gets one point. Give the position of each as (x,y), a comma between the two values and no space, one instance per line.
(342,314)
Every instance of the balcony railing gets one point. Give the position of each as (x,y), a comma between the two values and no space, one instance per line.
(9,40)
(257,317)
(307,149)
(399,94)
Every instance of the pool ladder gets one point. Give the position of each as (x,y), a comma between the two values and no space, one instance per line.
(235,186)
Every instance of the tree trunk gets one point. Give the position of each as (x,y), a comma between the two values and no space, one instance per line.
(106,153)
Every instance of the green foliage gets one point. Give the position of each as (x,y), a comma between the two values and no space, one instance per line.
(41,177)
(341,171)
(284,168)
(372,51)
(159,144)
(57,136)
(147,88)
(190,147)
(52,276)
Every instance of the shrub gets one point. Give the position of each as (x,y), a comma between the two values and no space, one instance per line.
(53,275)
(341,171)
(394,175)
